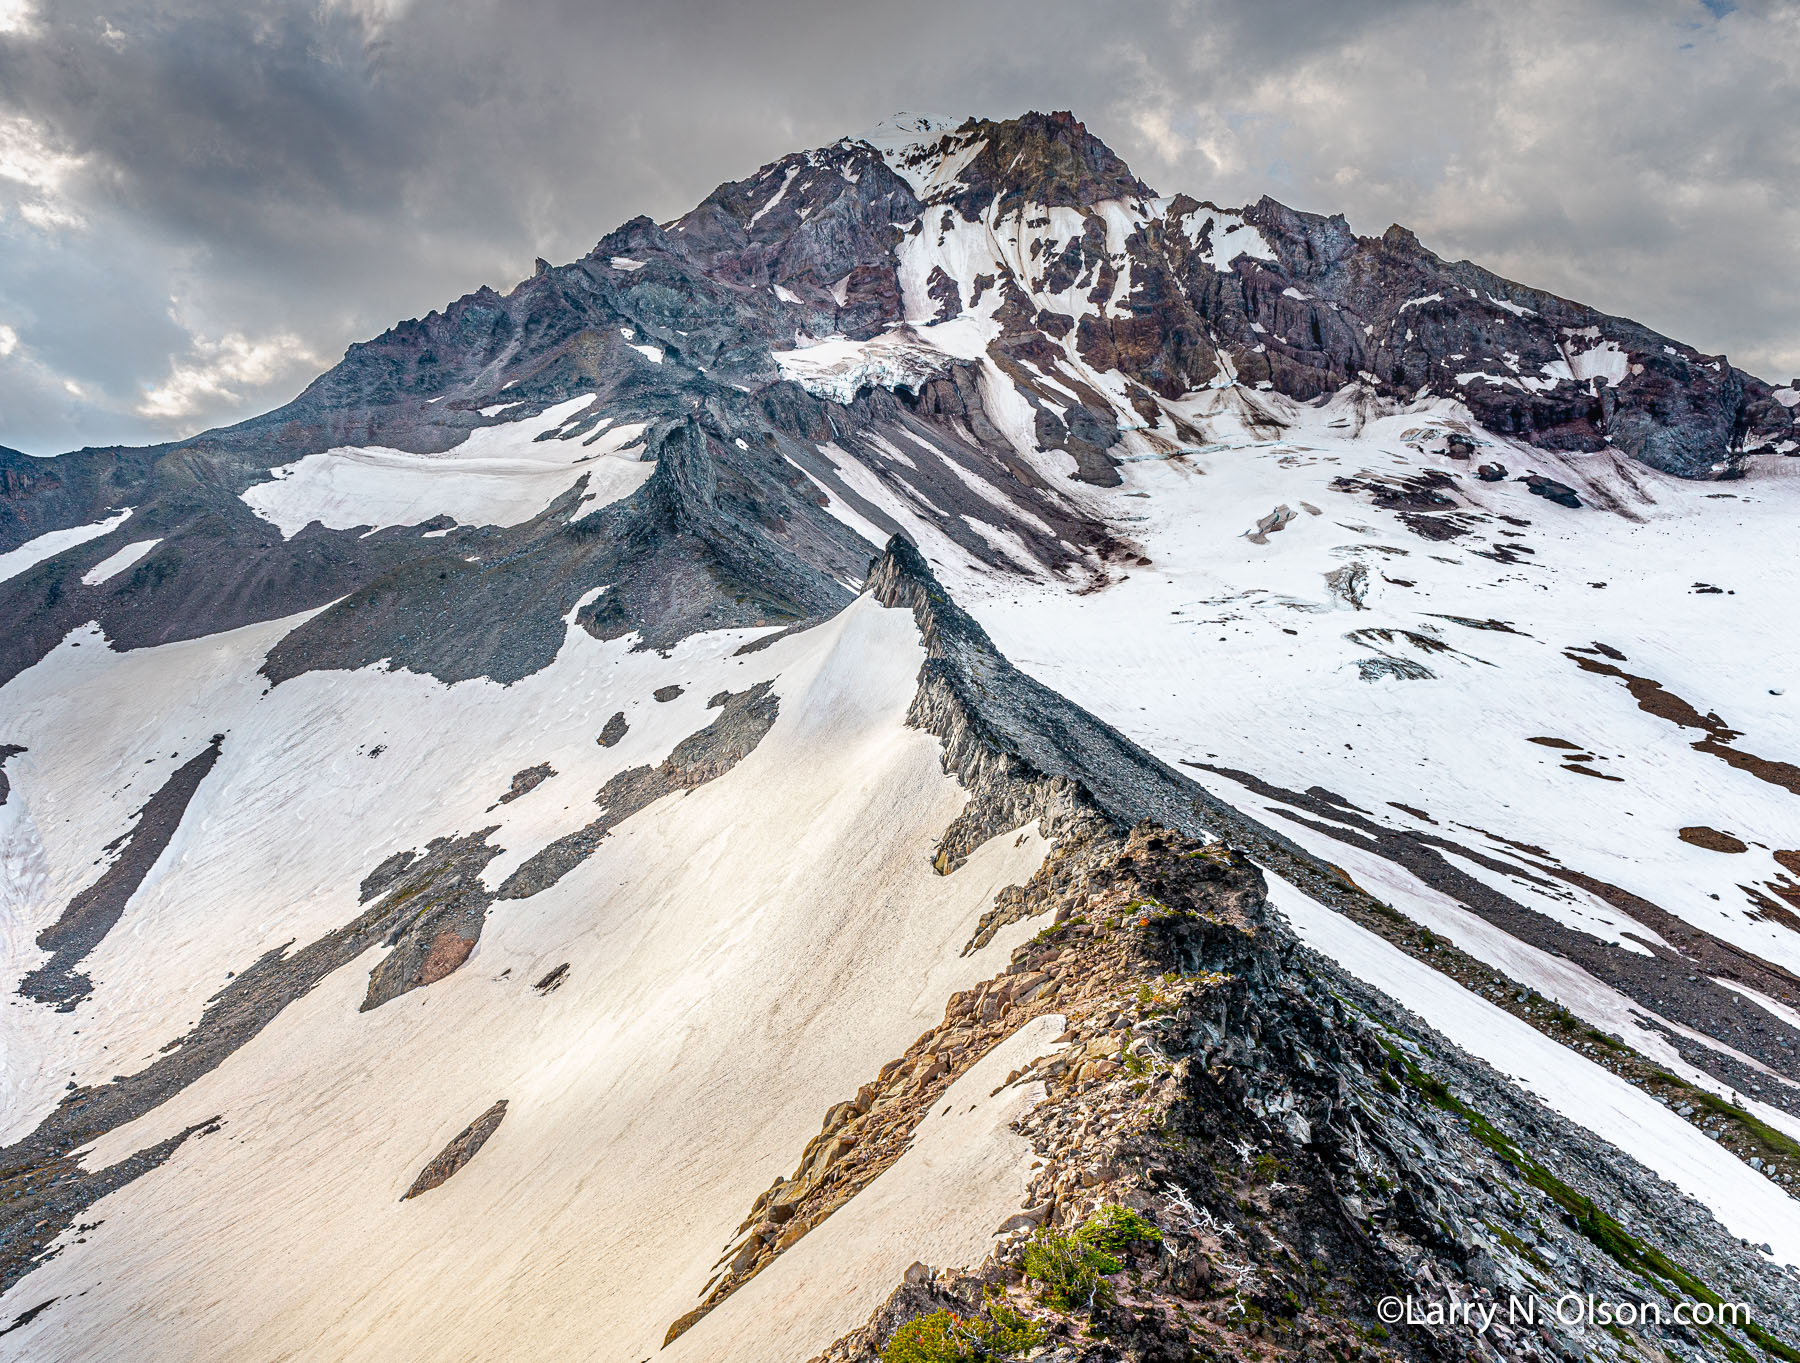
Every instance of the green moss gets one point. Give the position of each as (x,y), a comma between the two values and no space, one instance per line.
(1773,1141)
(1600,1229)
(1058,929)
(1600,1038)
(937,1338)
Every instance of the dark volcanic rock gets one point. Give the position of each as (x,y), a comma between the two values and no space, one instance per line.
(441,904)
(91,914)
(1560,493)
(459,1152)
(8,751)
(524,782)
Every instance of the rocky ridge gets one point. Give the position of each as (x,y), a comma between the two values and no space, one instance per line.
(1303,1146)
(1301,1151)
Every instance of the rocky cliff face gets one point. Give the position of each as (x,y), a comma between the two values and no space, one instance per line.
(1301,1156)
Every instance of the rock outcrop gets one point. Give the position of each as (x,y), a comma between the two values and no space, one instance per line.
(1300,1155)
(453,1157)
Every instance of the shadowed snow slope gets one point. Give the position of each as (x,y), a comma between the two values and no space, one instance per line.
(739,957)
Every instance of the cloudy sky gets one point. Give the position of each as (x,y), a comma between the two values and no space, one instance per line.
(202,202)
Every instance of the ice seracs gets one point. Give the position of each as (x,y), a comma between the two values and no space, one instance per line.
(837,368)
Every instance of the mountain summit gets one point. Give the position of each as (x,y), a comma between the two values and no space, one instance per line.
(944,752)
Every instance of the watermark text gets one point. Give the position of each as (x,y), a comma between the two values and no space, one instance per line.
(1572,1308)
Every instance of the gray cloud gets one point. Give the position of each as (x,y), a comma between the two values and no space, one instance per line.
(202,203)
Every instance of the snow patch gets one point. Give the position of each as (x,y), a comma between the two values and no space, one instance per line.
(779,194)
(1231,237)
(53,542)
(1516,309)
(1603,361)
(114,564)
(500,475)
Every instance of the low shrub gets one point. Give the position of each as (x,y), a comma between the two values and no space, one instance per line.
(1070,1275)
(946,1337)
(1114,1229)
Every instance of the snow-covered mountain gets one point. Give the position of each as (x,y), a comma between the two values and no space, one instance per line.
(1276,730)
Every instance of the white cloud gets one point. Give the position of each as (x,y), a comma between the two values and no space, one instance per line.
(50,217)
(26,157)
(15,15)
(1618,160)
(375,14)
(217,372)
(9,340)
(34,175)
(334,165)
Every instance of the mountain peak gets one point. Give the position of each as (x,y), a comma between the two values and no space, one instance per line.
(905,131)
(1049,159)
(920,148)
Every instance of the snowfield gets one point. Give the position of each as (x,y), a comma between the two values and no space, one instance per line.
(500,475)
(1255,656)
(740,957)
(964,1172)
